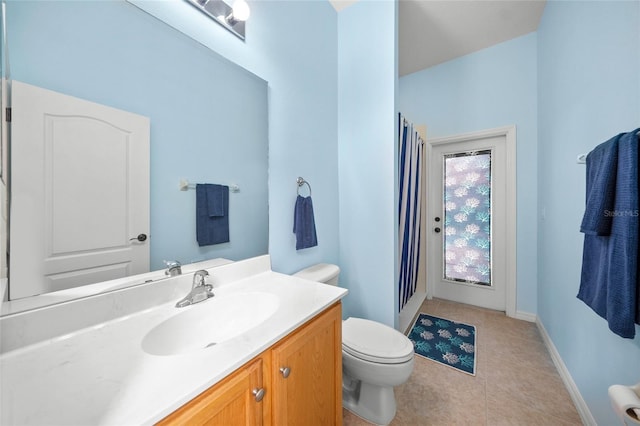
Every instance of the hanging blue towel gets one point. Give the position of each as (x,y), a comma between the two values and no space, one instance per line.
(212,214)
(304,225)
(602,164)
(216,203)
(609,279)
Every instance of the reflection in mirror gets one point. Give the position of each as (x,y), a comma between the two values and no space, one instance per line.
(207,123)
(3,156)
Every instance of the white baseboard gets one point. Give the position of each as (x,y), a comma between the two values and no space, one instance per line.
(581,405)
(526,316)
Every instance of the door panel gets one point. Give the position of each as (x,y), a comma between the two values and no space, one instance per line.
(55,139)
(309,393)
(103,165)
(467,217)
(228,403)
(468,221)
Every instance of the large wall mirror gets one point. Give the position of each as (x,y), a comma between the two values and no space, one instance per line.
(207,117)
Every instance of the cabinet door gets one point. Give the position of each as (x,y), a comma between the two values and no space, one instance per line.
(311,392)
(228,403)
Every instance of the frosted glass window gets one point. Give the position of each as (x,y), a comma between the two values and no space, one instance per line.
(467,217)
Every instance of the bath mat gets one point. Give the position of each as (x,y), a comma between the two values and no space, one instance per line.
(447,342)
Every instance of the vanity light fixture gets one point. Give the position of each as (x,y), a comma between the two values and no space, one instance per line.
(231,17)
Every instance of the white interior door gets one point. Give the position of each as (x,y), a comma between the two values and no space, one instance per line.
(79,192)
(472,220)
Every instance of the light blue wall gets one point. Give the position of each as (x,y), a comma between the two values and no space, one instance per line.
(293,46)
(491,88)
(367,74)
(589,87)
(115,54)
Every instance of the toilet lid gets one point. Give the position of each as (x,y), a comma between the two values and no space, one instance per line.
(375,342)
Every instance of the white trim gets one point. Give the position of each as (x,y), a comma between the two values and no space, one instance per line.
(3,290)
(526,316)
(572,388)
(509,132)
(410,310)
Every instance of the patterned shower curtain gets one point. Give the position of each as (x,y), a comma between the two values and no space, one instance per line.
(410,169)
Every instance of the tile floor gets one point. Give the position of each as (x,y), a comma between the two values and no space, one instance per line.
(516,382)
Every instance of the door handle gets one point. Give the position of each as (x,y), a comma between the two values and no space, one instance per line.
(140,237)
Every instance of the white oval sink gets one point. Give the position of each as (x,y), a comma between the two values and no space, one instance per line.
(208,323)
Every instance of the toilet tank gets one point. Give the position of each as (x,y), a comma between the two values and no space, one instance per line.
(322,272)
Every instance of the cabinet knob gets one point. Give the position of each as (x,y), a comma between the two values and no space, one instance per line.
(285,371)
(258,393)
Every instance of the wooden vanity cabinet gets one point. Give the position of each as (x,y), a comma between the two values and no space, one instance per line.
(307,373)
(232,402)
(301,377)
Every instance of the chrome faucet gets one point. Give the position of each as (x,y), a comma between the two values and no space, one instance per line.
(173,268)
(200,290)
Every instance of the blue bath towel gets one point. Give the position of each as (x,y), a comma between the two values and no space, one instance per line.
(602,164)
(609,279)
(212,214)
(216,203)
(304,225)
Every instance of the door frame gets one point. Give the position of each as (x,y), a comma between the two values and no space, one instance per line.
(509,133)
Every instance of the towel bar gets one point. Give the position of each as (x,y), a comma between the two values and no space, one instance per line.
(185,186)
(582,158)
(300,181)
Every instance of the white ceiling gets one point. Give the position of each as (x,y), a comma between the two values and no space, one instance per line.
(434,31)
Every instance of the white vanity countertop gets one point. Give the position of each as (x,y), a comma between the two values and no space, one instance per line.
(61,296)
(100,375)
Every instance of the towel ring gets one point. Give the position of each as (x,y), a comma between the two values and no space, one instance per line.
(300,181)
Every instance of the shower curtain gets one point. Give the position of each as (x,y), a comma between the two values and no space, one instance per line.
(410,170)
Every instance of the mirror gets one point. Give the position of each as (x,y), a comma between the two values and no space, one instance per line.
(208,116)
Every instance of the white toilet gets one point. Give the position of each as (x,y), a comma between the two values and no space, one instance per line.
(375,358)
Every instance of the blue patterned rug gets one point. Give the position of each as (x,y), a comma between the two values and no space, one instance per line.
(448,342)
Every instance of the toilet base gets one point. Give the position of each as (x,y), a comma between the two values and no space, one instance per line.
(376,404)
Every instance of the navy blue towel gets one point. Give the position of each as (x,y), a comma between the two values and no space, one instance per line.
(609,279)
(602,164)
(212,214)
(304,225)
(216,203)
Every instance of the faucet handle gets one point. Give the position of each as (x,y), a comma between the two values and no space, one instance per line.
(199,277)
(174,267)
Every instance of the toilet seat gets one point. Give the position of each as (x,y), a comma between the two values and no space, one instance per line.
(375,342)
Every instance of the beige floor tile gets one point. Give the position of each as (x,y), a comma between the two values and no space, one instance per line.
(508,412)
(350,419)
(514,355)
(516,382)
(541,391)
(435,393)
(504,330)
(462,314)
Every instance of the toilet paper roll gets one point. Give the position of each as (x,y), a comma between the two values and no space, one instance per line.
(626,402)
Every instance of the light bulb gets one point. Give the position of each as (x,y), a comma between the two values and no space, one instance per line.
(241,10)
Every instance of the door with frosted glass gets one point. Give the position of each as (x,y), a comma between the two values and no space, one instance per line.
(467,220)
